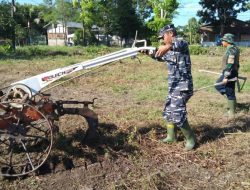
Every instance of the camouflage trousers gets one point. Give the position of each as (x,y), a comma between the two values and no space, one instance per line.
(175,108)
(228,89)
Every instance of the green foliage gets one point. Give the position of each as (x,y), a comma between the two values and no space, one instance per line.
(164,12)
(78,37)
(198,50)
(58,10)
(5,48)
(94,50)
(108,23)
(193,28)
(114,17)
(212,51)
(29,52)
(21,34)
(245,67)
(127,20)
(6,21)
(89,15)
(26,22)
(122,18)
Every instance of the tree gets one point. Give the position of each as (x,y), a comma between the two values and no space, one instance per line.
(48,13)
(127,19)
(89,15)
(27,25)
(113,16)
(108,21)
(143,8)
(23,20)
(5,20)
(164,11)
(193,27)
(221,12)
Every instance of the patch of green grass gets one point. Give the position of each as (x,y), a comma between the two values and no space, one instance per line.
(155,93)
(201,81)
(245,67)
(120,89)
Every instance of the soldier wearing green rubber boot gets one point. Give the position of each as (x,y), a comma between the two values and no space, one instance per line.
(230,65)
(175,53)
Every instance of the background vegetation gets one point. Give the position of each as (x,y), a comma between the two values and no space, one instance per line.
(24,24)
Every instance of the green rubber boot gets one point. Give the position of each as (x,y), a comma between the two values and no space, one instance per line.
(231,106)
(171,137)
(189,135)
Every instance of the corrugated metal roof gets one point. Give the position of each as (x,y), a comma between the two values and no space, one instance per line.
(74,25)
(68,24)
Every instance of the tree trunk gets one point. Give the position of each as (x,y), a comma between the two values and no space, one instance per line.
(13,34)
(84,36)
(222,27)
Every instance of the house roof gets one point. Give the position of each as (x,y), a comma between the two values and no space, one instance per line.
(68,24)
(74,25)
(236,26)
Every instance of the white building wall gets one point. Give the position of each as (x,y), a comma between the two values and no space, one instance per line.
(56,34)
(58,30)
(56,42)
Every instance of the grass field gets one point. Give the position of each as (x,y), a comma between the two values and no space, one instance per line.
(129,153)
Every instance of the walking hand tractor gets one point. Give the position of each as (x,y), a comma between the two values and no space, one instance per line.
(27,115)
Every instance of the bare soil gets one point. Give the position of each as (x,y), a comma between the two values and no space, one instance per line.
(128,152)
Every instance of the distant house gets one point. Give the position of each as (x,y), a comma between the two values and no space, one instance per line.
(241,30)
(60,35)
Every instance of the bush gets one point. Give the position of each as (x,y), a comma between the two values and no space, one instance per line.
(198,50)
(28,52)
(5,48)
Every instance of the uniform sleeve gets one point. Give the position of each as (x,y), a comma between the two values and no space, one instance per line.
(231,56)
(160,59)
(181,47)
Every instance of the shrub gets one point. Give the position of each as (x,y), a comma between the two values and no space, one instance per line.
(198,50)
(5,48)
(28,52)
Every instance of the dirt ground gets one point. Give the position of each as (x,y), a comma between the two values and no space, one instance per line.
(127,153)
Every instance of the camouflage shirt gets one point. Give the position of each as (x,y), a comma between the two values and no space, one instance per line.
(230,62)
(179,67)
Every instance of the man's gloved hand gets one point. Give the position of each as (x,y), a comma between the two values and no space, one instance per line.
(144,51)
(162,50)
(148,52)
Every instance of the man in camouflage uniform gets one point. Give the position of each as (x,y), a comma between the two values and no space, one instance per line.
(180,85)
(230,65)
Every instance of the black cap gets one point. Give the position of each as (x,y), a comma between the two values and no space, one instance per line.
(169,27)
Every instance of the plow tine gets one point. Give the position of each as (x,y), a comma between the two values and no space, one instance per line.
(238,85)
(244,79)
(28,155)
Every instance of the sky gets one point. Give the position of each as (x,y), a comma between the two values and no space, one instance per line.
(187,10)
